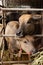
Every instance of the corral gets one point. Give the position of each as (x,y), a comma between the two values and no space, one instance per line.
(35,38)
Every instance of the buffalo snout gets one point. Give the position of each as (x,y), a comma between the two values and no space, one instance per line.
(19,33)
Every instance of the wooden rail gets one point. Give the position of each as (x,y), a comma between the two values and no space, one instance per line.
(38,35)
(16,62)
(21,9)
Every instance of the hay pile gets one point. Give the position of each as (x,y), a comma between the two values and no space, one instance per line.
(37,58)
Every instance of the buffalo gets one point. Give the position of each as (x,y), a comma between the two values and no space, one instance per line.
(29,24)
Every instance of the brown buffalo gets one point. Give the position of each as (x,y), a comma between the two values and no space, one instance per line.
(28,25)
(11,29)
(24,25)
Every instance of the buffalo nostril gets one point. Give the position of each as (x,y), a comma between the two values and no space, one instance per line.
(18,33)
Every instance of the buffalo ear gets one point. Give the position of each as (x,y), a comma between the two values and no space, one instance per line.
(37,17)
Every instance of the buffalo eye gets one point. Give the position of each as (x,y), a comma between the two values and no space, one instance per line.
(25,41)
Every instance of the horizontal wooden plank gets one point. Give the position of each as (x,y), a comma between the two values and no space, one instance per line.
(21,9)
(41,35)
(16,62)
(19,64)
